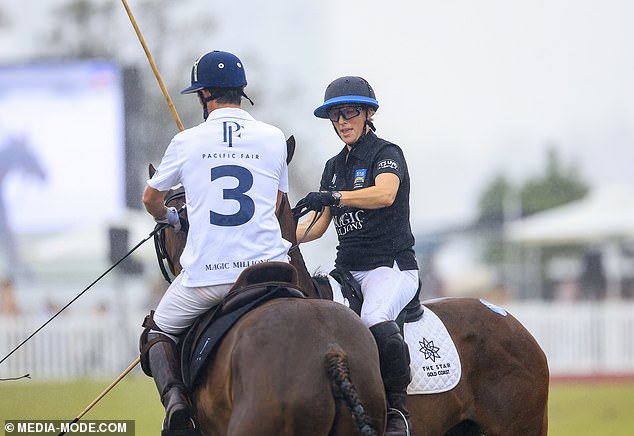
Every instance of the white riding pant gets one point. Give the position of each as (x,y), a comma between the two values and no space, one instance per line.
(181,305)
(386,291)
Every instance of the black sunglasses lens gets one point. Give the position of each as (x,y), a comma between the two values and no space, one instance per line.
(347,113)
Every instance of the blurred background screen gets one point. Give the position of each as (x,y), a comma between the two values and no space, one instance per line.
(61,145)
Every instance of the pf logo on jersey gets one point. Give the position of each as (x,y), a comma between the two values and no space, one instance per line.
(229,128)
(387,163)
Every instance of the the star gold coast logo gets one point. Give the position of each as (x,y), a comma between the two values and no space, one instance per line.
(429,350)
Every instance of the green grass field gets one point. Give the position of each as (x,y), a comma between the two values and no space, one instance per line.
(591,409)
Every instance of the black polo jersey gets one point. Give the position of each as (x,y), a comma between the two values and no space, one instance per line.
(370,238)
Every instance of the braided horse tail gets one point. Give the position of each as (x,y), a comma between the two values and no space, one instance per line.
(342,387)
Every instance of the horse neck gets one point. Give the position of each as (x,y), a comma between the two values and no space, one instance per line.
(288,226)
(319,289)
(305,281)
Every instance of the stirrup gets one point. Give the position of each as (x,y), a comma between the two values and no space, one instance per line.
(193,431)
(401,415)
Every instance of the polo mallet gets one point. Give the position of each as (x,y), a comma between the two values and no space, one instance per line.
(181,128)
(153,65)
(105,391)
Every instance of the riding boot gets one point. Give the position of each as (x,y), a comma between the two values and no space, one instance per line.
(394,360)
(165,368)
(397,414)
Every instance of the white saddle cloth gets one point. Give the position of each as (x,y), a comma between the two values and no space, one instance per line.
(435,363)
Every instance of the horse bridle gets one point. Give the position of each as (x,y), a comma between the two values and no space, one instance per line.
(159,237)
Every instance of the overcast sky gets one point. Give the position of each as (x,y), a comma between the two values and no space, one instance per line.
(467,88)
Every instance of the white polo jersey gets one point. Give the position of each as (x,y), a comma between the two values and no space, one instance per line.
(231,167)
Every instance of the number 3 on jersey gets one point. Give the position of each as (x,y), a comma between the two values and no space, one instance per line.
(247,205)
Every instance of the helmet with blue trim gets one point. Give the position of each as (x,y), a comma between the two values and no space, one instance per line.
(216,69)
(347,89)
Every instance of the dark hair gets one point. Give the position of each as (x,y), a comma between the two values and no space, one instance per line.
(226,95)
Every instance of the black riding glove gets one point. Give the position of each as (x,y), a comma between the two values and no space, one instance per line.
(317,200)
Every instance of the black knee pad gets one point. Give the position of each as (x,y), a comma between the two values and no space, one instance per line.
(393,355)
(147,340)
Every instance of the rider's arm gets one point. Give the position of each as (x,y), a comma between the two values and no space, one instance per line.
(317,230)
(153,200)
(382,194)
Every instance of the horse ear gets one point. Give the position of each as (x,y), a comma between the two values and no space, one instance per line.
(151,170)
(290,149)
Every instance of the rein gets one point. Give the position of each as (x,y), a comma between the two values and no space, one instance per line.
(159,236)
(310,226)
(299,211)
(156,230)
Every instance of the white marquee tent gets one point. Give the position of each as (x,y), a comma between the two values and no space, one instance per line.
(604,218)
(604,214)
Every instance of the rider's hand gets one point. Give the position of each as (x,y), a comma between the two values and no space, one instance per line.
(317,200)
(171,218)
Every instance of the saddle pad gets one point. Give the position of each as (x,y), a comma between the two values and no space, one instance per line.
(435,363)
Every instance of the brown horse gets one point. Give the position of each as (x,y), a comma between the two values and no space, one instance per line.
(291,366)
(503,390)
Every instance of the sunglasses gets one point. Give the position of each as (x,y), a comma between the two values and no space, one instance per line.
(346,112)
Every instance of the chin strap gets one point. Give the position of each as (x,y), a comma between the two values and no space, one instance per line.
(367,123)
(205,100)
(250,101)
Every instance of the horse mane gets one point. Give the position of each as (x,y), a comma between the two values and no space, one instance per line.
(321,279)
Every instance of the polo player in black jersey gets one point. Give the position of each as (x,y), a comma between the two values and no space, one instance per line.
(364,191)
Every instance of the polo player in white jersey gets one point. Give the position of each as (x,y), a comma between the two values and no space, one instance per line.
(234,172)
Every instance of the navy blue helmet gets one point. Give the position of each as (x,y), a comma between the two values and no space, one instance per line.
(217,69)
(347,89)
